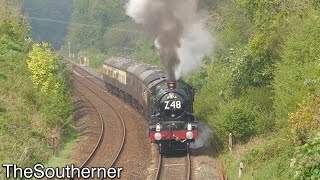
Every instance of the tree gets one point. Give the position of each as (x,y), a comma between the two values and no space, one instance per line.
(42,67)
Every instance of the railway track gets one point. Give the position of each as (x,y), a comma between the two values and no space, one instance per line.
(118,114)
(136,156)
(105,155)
(101,132)
(174,167)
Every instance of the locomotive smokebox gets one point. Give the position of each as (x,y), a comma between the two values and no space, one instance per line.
(171,84)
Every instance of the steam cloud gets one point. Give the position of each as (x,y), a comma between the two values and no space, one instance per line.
(179,28)
(204,136)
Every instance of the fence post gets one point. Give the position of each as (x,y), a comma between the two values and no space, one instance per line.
(54,144)
(230,142)
(240,169)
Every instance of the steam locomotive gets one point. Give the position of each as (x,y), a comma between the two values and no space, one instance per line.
(167,105)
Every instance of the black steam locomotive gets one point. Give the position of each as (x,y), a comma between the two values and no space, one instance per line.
(168,106)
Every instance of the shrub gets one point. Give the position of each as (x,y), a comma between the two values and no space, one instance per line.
(305,120)
(306,164)
(261,98)
(239,118)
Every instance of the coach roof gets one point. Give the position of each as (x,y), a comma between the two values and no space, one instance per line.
(145,72)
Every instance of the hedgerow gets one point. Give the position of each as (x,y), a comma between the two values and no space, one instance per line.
(28,115)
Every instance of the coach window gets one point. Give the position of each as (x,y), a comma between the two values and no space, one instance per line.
(115,73)
(128,80)
(122,77)
(109,71)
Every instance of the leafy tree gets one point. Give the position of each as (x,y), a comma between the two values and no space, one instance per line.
(50,78)
(42,66)
(91,19)
(256,67)
(299,67)
(123,35)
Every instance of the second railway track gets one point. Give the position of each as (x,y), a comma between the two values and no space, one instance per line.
(85,162)
(109,149)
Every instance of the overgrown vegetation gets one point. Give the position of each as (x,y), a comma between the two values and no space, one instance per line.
(264,86)
(306,161)
(35,100)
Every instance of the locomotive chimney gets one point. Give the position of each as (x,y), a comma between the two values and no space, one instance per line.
(171,84)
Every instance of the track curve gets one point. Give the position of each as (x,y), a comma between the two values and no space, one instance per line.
(120,117)
(100,136)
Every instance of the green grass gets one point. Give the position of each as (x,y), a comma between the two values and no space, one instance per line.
(265,157)
(63,157)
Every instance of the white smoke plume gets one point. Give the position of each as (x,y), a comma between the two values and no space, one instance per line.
(197,42)
(204,136)
(179,29)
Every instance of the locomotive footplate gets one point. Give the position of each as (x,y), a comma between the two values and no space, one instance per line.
(174,131)
(172,146)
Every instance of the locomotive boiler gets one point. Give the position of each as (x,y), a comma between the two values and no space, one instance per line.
(167,105)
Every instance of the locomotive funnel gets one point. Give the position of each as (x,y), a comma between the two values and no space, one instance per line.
(171,84)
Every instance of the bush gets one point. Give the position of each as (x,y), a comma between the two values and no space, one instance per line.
(239,118)
(305,120)
(262,99)
(306,164)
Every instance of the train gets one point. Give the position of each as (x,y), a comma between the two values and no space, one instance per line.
(167,105)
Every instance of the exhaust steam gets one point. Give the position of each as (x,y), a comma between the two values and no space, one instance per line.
(179,29)
(204,136)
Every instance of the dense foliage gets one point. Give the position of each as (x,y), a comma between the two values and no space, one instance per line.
(27,116)
(90,20)
(263,82)
(50,77)
(307,158)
